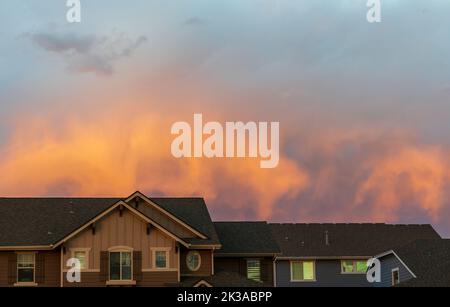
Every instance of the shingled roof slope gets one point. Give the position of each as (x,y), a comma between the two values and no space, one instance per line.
(304,240)
(246,238)
(194,212)
(429,260)
(45,221)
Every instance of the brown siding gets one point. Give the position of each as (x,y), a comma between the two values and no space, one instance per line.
(52,268)
(126,230)
(88,279)
(164,220)
(47,270)
(205,265)
(4,256)
(149,279)
(158,279)
(239,265)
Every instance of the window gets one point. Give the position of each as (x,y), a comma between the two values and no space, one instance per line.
(120,266)
(395,277)
(353,266)
(160,259)
(25,268)
(303,271)
(254,269)
(193,260)
(82,254)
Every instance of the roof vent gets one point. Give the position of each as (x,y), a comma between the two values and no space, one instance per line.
(286,238)
(71,207)
(327,239)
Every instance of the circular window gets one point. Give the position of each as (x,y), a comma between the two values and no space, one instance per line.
(193,260)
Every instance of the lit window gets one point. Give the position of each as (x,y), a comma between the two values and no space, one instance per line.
(25,267)
(193,260)
(160,259)
(254,269)
(302,271)
(353,266)
(81,256)
(120,266)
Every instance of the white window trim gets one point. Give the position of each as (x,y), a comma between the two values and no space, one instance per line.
(392,276)
(199,261)
(303,280)
(87,250)
(26,284)
(160,249)
(355,272)
(120,249)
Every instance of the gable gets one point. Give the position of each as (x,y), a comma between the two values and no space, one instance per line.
(121,229)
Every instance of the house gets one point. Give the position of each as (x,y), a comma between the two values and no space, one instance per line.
(158,242)
(328,255)
(136,241)
(421,263)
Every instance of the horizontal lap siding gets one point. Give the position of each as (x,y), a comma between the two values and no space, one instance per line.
(328,274)
(388,263)
(88,279)
(149,279)
(158,279)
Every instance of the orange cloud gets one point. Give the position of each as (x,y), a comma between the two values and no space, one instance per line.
(120,151)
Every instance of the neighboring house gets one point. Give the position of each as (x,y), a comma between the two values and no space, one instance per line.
(142,241)
(328,255)
(422,263)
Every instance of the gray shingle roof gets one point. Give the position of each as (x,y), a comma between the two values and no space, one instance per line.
(245,238)
(45,221)
(309,240)
(429,260)
(192,211)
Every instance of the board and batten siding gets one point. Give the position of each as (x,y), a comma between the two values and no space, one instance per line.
(388,263)
(328,274)
(163,219)
(124,230)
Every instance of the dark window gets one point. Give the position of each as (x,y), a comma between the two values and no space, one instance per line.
(395,277)
(25,267)
(120,266)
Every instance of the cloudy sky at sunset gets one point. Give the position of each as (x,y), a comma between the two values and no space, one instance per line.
(364,109)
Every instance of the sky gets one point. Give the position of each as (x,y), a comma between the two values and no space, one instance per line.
(86,108)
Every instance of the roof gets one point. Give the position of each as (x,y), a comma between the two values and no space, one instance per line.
(46,221)
(221,279)
(344,240)
(246,238)
(194,212)
(429,260)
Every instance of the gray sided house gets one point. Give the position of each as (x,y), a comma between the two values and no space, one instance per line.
(422,263)
(335,255)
